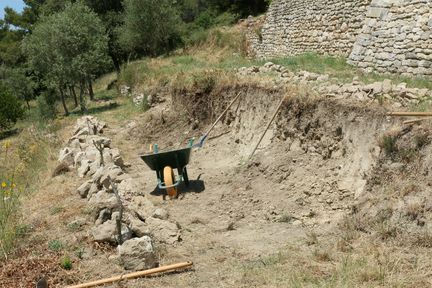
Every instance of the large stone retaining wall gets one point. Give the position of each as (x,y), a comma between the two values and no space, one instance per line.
(379,35)
(294,26)
(396,37)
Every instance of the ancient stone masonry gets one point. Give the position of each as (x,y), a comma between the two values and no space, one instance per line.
(379,35)
(396,37)
(141,224)
(293,27)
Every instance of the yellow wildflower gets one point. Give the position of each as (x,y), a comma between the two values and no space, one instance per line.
(7,145)
(3,184)
(13,185)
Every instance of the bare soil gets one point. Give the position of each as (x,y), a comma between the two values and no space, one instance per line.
(313,194)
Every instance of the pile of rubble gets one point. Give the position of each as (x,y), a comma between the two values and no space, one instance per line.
(398,94)
(138,98)
(115,198)
(283,73)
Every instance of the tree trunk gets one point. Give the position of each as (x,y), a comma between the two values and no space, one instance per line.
(72,91)
(116,63)
(28,104)
(62,96)
(90,88)
(81,97)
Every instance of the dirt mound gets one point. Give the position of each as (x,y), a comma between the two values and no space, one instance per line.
(396,204)
(316,170)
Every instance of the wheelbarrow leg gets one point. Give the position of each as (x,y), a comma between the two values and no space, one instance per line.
(185,177)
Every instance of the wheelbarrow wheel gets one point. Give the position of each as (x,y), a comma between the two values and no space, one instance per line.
(169,180)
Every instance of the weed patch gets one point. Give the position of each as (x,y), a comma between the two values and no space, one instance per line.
(55,245)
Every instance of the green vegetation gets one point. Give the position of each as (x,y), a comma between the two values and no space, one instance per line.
(66,263)
(150,27)
(388,143)
(10,109)
(55,245)
(67,49)
(21,161)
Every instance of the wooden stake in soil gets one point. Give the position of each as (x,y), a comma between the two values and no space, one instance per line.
(267,127)
(134,275)
(120,206)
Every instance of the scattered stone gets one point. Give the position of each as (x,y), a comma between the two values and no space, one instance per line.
(138,227)
(138,254)
(160,214)
(66,156)
(84,189)
(62,168)
(163,231)
(107,232)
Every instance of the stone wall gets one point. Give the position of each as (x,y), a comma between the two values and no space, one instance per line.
(293,27)
(376,35)
(396,37)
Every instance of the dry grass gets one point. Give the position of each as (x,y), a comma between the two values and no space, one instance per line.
(367,264)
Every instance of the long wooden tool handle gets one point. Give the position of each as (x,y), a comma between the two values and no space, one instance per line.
(267,127)
(418,114)
(416,120)
(223,113)
(134,275)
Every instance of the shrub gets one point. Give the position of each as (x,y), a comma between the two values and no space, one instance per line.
(226,19)
(10,109)
(46,106)
(388,143)
(66,263)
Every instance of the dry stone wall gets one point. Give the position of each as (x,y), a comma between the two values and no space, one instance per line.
(379,35)
(293,27)
(141,224)
(396,37)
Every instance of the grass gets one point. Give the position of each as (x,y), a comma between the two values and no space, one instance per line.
(291,269)
(224,49)
(368,266)
(55,245)
(22,159)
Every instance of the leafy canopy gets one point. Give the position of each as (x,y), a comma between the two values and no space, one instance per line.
(10,108)
(68,46)
(150,27)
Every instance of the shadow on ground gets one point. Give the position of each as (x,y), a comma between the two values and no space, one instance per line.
(8,133)
(98,109)
(195,186)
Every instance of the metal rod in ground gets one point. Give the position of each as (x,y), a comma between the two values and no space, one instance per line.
(217,120)
(134,275)
(267,127)
(418,114)
(416,120)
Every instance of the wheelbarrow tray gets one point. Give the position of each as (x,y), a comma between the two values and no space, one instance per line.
(175,159)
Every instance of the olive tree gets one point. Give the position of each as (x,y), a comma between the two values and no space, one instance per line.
(150,27)
(68,48)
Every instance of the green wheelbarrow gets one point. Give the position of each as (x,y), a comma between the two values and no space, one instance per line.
(164,164)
